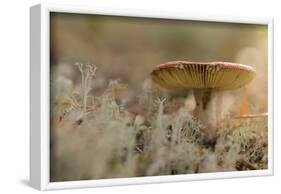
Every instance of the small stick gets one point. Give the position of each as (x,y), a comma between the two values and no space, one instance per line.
(248,164)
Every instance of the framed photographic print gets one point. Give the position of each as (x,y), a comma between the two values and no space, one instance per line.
(124,97)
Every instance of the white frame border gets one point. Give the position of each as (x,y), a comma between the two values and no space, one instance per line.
(39,96)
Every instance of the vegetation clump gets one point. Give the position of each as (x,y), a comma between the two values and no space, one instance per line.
(98,136)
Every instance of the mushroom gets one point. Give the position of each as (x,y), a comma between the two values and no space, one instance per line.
(208,80)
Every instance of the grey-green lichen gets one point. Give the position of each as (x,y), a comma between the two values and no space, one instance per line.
(96,136)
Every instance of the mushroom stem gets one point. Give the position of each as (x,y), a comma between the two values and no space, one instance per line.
(244,106)
(208,110)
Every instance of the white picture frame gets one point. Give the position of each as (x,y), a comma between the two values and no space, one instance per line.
(40,89)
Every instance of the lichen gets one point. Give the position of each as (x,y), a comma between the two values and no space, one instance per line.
(102,138)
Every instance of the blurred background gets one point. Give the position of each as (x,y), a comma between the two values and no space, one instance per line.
(128,48)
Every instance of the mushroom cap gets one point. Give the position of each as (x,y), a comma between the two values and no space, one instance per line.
(217,75)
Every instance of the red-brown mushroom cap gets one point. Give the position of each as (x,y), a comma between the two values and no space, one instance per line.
(218,75)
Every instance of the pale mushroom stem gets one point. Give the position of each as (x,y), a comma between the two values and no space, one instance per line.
(208,110)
